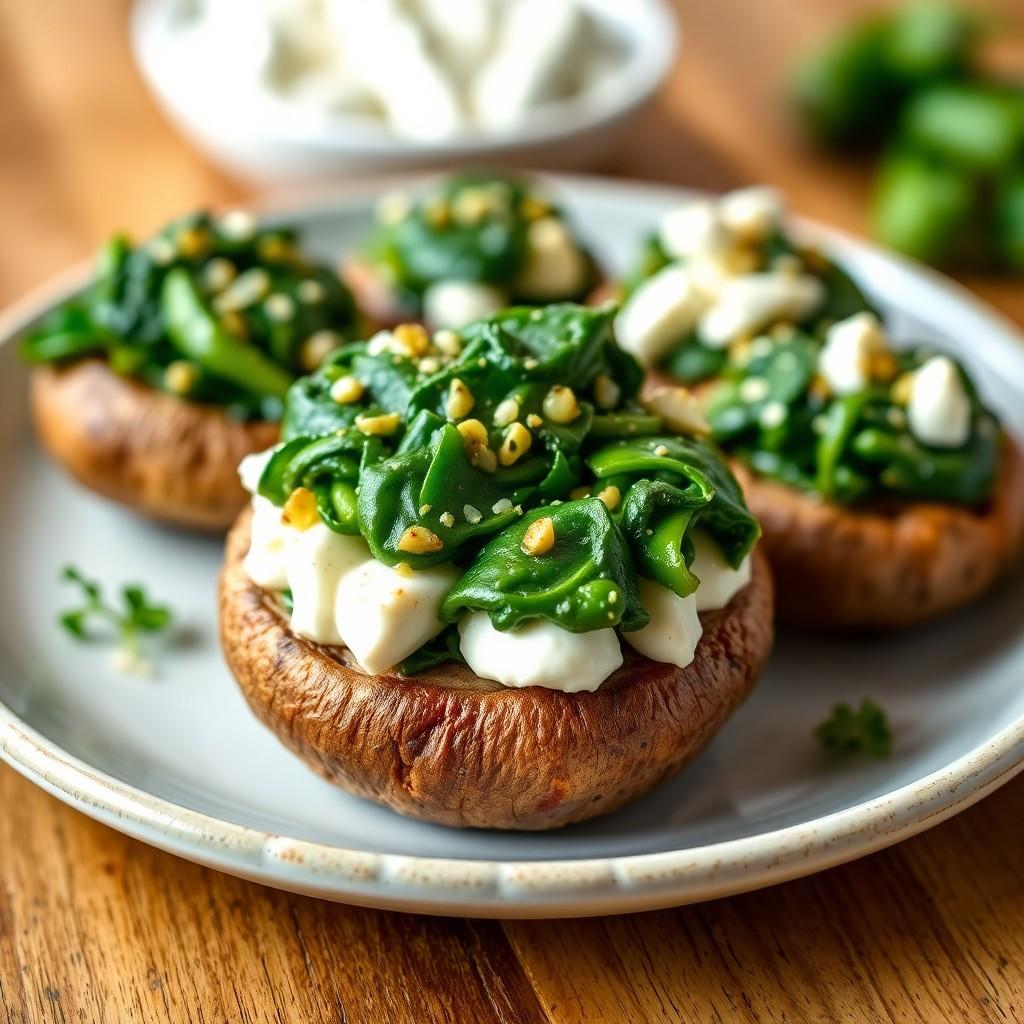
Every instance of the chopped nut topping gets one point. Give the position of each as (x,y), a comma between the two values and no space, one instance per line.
(418,540)
(472,514)
(560,405)
(533,208)
(411,339)
(180,377)
(460,400)
(611,496)
(347,389)
(681,410)
(404,569)
(533,420)
(424,509)
(902,388)
(218,274)
(473,433)
(661,450)
(429,365)
(316,348)
(310,291)
(437,213)
(234,323)
(300,509)
(447,342)
(516,443)
(244,291)
(539,537)
(606,392)
(193,242)
(447,519)
(483,458)
(506,412)
(280,307)
(383,425)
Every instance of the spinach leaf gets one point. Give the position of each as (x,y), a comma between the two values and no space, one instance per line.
(585,581)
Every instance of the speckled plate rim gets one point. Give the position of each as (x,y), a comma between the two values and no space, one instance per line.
(555,888)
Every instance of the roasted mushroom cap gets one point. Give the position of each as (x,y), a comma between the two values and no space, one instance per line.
(456,749)
(887,565)
(170,459)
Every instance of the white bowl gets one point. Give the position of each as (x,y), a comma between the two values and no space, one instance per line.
(275,142)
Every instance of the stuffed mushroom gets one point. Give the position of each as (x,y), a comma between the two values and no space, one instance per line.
(176,360)
(887,491)
(472,245)
(480,584)
(716,272)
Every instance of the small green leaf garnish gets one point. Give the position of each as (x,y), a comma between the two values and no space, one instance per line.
(136,616)
(853,731)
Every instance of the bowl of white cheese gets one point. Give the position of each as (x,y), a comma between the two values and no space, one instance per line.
(288,91)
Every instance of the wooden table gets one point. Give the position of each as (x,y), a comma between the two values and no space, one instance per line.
(98,927)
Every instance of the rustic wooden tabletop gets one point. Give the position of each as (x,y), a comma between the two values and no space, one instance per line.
(98,927)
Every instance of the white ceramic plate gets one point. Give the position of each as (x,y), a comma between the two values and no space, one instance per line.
(179,761)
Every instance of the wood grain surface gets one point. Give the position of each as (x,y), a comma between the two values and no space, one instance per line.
(98,927)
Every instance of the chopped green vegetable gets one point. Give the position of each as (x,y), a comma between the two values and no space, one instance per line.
(211,309)
(136,616)
(616,493)
(856,730)
(472,227)
(769,409)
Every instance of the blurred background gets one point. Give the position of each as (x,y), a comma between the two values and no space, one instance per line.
(906,123)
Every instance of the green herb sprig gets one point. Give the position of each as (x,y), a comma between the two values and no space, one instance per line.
(853,731)
(136,616)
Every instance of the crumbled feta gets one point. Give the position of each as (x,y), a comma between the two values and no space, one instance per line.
(384,615)
(317,560)
(846,357)
(266,562)
(659,314)
(453,304)
(719,581)
(693,231)
(749,303)
(674,631)
(751,214)
(542,44)
(939,410)
(555,267)
(539,653)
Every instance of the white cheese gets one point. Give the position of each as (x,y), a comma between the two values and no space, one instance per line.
(693,231)
(539,653)
(749,303)
(555,268)
(939,411)
(384,615)
(674,631)
(317,560)
(846,357)
(250,469)
(387,52)
(462,32)
(719,581)
(454,304)
(266,562)
(751,214)
(660,313)
(542,43)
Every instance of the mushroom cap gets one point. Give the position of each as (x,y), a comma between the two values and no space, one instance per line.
(885,565)
(168,458)
(450,747)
